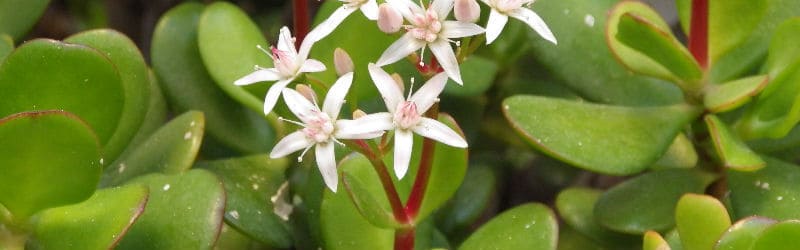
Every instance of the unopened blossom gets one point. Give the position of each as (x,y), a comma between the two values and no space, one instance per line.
(405,116)
(342,62)
(502,9)
(467,10)
(389,19)
(289,64)
(321,128)
(368,7)
(428,27)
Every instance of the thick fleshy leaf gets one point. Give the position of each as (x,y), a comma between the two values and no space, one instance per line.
(576,207)
(742,234)
(251,184)
(367,204)
(529,226)
(47,74)
(726,31)
(606,139)
(184,211)
(478,74)
(583,59)
(32,180)
(135,83)
(170,150)
(97,223)
(469,202)
(19,16)
(732,151)
(647,202)
(773,191)
(630,57)
(654,241)
(781,236)
(569,239)
(681,154)
(6,46)
(155,117)
(186,83)
(783,51)
(227,40)
(731,95)
(701,220)
(660,46)
(777,109)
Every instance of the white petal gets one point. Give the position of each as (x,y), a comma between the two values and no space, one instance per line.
(447,59)
(455,29)
(335,97)
(273,93)
(442,7)
(403,47)
(260,75)
(386,86)
(403,143)
(326,161)
(497,21)
(299,105)
(438,131)
(532,19)
(290,144)
(370,9)
(311,65)
(326,27)
(286,42)
(368,124)
(305,48)
(427,95)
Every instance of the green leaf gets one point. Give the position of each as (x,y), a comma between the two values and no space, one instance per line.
(727,30)
(227,40)
(606,139)
(184,211)
(469,202)
(170,150)
(773,191)
(700,220)
(673,239)
(6,46)
(731,95)
(155,117)
(135,83)
(19,16)
(660,46)
(780,236)
(783,49)
(478,74)
(582,58)
(32,179)
(367,204)
(654,241)
(529,226)
(97,223)
(647,202)
(78,79)
(576,207)
(742,234)
(186,83)
(732,151)
(777,109)
(680,154)
(250,185)
(569,239)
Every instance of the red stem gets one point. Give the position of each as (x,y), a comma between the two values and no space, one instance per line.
(386,180)
(404,239)
(698,32)
(300,20)
(424,171)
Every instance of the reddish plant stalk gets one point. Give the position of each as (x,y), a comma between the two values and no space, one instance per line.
(424,171)
(386,182)
(698,32)
(300,18)
(404,239)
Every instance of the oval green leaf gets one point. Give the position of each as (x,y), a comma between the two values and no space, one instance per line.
(783,51)
(781,236)
(700,220)
(681,154)
(773,191)
(742,234)
(654,241)
(647,202)
(367,204)
(727,30)
(731,150)
(97,223)
(170,150)
(777,109)
(469,202)
(184,211)
(606,139)
(19,16)
(478,74)
(731,95)
(576,207)
(48,159)
(155,117)
(530,226)
(6,46)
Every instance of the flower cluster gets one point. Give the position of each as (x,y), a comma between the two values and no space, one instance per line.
(424,27)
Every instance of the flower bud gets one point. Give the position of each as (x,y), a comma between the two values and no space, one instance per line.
(342,62)
(399,81)
(467,10)
(389,19)
(358,114)
(307,92)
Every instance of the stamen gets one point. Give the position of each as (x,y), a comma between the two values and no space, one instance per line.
(265,51)
(337,142)
(292,122)
(411,88)
(300,158)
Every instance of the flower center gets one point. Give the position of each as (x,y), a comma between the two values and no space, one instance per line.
(406,115)
(283,62)
(425,26)
(319,127)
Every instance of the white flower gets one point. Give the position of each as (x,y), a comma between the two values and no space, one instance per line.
(289,64)
(368,7)
(428,28)
(502,9)
(405,116)
(321,128)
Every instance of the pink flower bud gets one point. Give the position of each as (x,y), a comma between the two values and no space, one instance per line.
(467,10)
(342,62)
(307,92)
(389,19)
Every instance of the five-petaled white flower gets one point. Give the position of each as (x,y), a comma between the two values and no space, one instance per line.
(321,128)
(405,116)
(289,64)
(368,7)
(428,28)
(502,9)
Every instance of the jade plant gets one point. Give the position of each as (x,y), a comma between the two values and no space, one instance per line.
(441,124)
